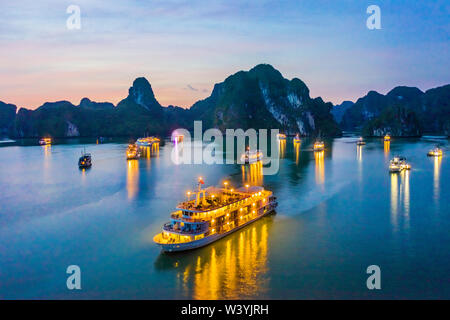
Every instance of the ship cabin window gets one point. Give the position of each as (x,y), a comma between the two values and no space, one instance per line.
(192,227)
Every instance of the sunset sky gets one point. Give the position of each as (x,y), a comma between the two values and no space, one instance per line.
(184,47)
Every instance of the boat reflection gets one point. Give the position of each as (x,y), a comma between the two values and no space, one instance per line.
(394,200)
(232,268)
(400,199)
(320,167)
(153,150)
(47,162)
(252,174)
(281,148)
(405,191)
(387,147)
(436,174)
(132,178)
(359,150)
(297,151)
(359,153)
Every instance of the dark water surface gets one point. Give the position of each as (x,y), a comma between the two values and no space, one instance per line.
(338,214)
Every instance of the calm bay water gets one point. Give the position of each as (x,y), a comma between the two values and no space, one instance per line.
(337,214)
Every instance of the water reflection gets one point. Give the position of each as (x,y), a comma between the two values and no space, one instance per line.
(436,173)
(394,199)
(153,150)
(252,174)
(359,153)
(132,178)
(47,162)
(320,167)
(232,268)
(148,152)
(400,198)
(282,148)
(297,151)
(359,150)
(387,147)
(405,191)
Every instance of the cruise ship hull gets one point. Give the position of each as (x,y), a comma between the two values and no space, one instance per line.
(177,247)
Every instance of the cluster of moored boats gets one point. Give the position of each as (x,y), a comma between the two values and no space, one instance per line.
(399,163)
(133,150)
(213,213)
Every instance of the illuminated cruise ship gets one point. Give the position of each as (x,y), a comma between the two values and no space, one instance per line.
(212,214)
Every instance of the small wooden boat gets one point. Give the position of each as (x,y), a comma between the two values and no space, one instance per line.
(85,161)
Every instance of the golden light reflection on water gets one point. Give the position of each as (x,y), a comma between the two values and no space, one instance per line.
(406,199)
(394,199)
(297,152)
(387,147)
(232,268)
(359,150)
(359,153)
(148,152)
(281,148)
(132,178)
(320,167)
(400,199)
(47,162)
(252,174)
(436,174)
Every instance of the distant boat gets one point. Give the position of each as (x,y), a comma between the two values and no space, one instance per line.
(436,152)
(398,164)
(85,161)
(319,145)
(251,156)
(360,142)
(133,152)
(147,142)
(45,141)
(297,139)
(387,138)
(281,136)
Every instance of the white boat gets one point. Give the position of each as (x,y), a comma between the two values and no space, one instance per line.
(146,142)
(398,164)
